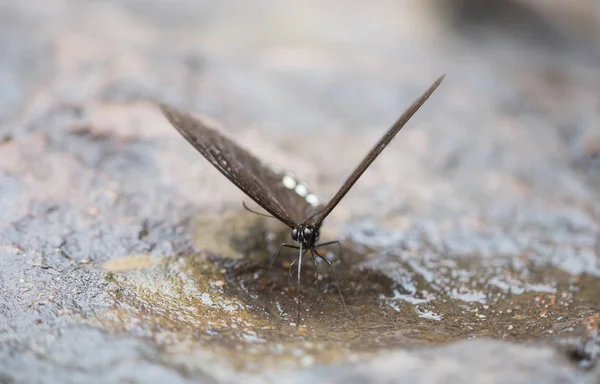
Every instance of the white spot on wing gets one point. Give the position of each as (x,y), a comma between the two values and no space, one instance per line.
(312,199)
(289,182)
(301,190)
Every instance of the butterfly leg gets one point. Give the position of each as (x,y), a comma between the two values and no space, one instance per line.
(279,251)
(340,257)
(340,249)
(336,280)
(316,272)
(290,271)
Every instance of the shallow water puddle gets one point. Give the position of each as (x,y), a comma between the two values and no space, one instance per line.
(221,304)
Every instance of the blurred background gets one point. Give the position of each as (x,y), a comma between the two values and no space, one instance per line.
(485,202)
(518,72)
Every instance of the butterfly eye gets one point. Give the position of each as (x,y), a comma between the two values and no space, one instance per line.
(295,234)
(308,233)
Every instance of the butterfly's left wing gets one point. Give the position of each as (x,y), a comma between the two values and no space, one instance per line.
(278,193)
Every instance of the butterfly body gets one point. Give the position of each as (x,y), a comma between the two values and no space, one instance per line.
(279,193)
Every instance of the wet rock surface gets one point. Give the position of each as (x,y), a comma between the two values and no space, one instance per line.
(471,246)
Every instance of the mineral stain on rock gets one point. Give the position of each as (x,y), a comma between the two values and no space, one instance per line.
(133,262)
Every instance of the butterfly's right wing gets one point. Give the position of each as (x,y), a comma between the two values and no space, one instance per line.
(262,184)
(372,155)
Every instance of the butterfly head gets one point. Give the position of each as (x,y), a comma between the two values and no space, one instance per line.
(306,234)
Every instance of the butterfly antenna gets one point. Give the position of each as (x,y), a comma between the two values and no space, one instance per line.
(316,214)
(257,213)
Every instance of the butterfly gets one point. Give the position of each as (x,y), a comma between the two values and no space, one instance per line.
(277,192)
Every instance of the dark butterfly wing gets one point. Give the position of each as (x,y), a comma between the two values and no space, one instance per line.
(287,201)
(385,140)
